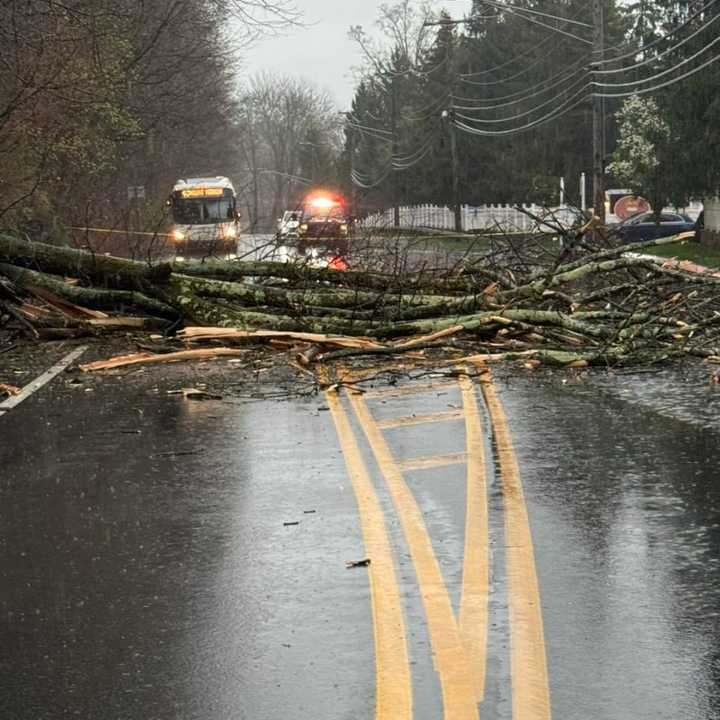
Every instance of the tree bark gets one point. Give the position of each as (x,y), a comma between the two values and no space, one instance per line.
(87,267)
(87,297)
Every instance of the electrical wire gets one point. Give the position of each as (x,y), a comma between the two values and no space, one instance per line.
(408,162)
(665,72)
(655,58)
(489,83)
(634,53)
(519,14)
(667,83)
(357,124)
(518,116)
(521,97)
(570,104)
(577,100)
(413,70)
(537,12)
(512,60)
(368,184)
(430,109)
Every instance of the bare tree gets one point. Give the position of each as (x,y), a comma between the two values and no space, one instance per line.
(98,95)
(289,135)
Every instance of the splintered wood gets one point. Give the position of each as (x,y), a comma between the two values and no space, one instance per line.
(150,358)
(580,298)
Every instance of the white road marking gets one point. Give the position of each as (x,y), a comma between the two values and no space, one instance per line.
(41,380)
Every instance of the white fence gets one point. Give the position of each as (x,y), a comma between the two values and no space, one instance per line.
(486,217)
(474,217)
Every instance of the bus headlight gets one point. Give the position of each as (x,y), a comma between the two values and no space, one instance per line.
(178,235)
(343,228)
(231,232)
(303,227)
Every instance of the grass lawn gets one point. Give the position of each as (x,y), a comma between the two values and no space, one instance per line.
(690,250)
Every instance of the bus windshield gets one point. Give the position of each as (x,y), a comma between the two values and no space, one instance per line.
(202,211)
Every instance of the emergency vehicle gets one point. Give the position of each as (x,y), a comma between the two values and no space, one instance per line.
(324,215)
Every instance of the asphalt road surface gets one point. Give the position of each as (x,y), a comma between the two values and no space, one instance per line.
(536,549)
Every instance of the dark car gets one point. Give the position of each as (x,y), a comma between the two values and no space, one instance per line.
(644,226)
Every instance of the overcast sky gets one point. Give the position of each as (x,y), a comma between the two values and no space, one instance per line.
(322,51)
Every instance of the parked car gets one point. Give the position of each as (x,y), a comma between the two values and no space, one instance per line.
(288,224)
(645,226)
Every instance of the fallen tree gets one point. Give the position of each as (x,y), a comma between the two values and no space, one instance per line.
(571,303)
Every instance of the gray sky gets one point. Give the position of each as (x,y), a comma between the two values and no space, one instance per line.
(322,51)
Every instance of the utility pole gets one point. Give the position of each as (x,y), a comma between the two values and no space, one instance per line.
(395,176)
(353,188)
(598,108)
(455,170)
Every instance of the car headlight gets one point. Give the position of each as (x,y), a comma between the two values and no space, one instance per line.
(231,231)
(343,228)
(304,226)
(178,235)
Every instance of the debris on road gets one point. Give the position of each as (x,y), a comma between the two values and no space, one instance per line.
(578,300)
(357,563)
(146,358)
(290,523)
(8,390)
(178,453)
(195,394)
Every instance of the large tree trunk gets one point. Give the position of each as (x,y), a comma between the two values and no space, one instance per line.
(87,267)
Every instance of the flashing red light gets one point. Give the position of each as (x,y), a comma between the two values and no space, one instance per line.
(325,201)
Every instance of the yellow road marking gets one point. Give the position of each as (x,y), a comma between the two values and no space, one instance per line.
(473,619)
(409,420)
(392,668)
(431,461)
(530,688)
(450,654)
(112,231)
(409,389)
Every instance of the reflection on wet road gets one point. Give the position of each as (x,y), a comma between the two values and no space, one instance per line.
(537,550)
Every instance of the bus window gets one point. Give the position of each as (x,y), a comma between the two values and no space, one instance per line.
(199,211)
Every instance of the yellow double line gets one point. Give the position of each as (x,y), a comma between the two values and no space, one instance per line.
(459,645)
(393,684)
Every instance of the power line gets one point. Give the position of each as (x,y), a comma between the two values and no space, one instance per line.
(509,62)
(521,96)
(655,58)
(558,112)
(664,72)
(645,91)
(519,14)
(518,116)
(634,53)
(537,12)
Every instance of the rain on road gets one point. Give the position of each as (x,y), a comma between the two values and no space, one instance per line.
(537,549)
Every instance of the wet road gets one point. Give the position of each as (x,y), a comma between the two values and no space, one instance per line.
(168,559)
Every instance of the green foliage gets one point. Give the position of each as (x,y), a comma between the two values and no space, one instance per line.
(641,155)
(507,66)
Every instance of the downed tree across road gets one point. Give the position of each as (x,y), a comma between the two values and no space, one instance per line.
(578,302)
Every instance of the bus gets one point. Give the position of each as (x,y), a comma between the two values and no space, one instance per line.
(205,217)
